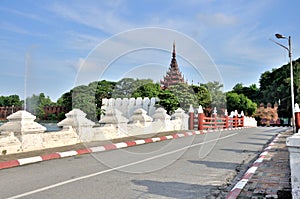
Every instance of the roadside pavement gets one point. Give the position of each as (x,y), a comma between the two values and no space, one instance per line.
(269,175)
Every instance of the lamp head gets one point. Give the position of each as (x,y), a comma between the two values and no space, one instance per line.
(279,36)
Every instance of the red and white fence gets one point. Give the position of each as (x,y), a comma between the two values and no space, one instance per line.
(200,122)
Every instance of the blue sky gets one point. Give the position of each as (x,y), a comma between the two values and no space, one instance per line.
(48,46)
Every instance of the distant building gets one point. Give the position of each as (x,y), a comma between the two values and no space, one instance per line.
(54,111)
(8,110)
(268,116)
(173,76)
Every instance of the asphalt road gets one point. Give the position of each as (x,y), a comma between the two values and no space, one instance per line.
(190,167)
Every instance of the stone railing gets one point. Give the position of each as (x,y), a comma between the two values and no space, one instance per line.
(128,105)
(21,133)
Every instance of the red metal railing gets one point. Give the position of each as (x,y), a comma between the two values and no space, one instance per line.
(201,122)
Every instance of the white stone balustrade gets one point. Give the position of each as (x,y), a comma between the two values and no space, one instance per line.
(182,119)
(113,116)
(161,114)
(140,115)
(250,121)
(26,135)
(76,118)
(128,106)
(22,122)
(77,128)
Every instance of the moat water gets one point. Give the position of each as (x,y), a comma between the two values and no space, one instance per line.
(50,126)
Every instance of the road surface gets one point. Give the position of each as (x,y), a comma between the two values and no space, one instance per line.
(189,167)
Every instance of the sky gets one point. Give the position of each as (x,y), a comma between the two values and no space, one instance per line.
(51,46)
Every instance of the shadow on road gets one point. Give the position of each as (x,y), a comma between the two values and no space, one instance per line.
(218,165)
(240,150)
(263,139)
(173,189)
(252,143)
(264,134)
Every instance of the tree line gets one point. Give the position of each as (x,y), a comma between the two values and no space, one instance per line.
(89,97)
(274,87)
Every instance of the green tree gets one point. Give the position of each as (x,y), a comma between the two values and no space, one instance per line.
(36,103)
(168,101)
(66,100)
(238,88)
(240,103)
(126,86)
(218,98)
(275,87)
(88,98)
(103,89)
(203,95)
(147,90)
(185,94)
(252,92)
(11,100)
(83,98)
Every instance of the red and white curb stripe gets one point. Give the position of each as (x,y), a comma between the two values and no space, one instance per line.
(30,160)
(236,190)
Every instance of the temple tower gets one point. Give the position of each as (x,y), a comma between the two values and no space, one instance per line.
(173,76)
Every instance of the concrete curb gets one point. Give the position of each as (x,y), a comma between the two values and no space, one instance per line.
(35,159)
(236,190)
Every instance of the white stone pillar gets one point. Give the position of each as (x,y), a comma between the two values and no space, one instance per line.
(182,117)
(22,122)
(293,144)
(76,119)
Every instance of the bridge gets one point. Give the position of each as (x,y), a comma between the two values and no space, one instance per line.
(194,163)
(191,166)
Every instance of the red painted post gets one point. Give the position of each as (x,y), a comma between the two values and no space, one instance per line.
(200,121)
(297,121)
(226,122)
(200,118)
(297,117)
(191,118)
(242,119)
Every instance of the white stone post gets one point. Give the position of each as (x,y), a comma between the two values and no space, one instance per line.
(293,144)
(182,117)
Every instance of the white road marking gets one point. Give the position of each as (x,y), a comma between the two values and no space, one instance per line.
(155,139)
(251,170)
(97,149)
(113,169)
(30,160)
(169,137)
(240,184)
(121,145)
(67,153)
(259,160)
(140,142)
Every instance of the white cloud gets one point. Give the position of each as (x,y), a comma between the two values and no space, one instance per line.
(217,19)
(79,41)
(13,28)
(102,17)
(22,14)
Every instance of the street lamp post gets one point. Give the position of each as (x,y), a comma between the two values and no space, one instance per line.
(289,49)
